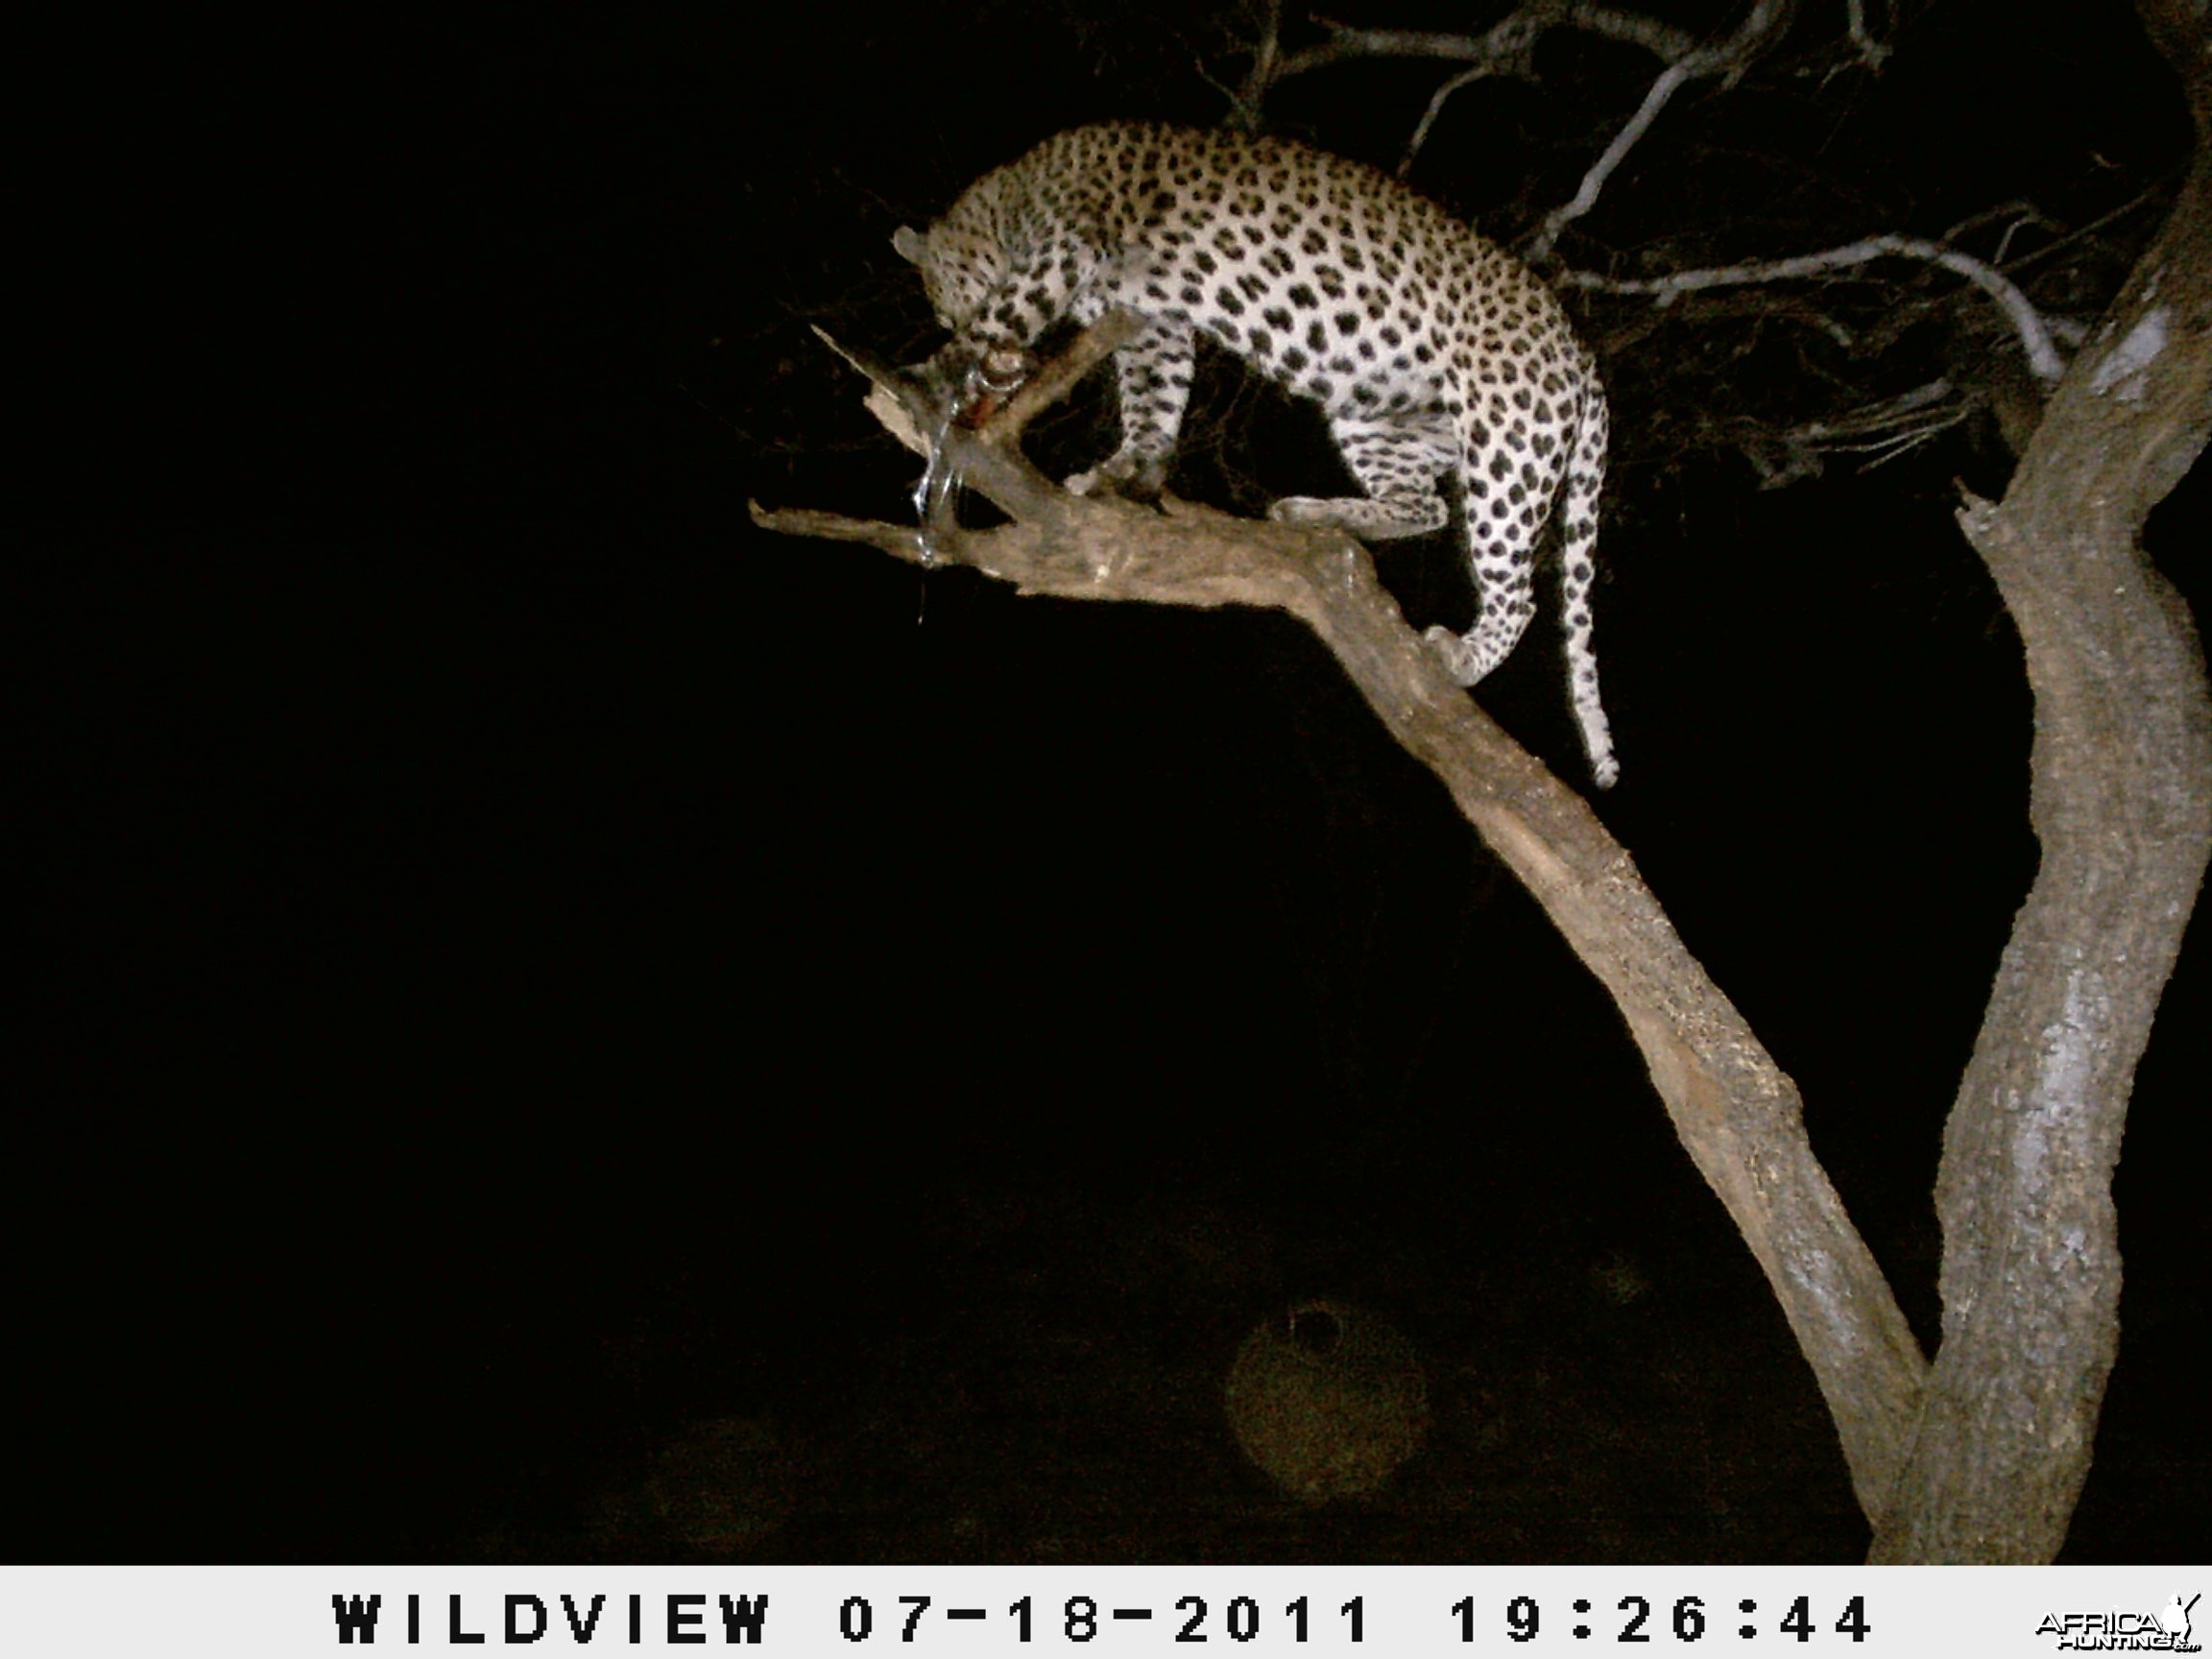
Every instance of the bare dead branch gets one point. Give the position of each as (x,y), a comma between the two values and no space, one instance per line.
(2142,199)
(1879,432)
(2019,214)
(1267,57)
(1436,102)
(1911,417)
(1502,49)
(1507,48)
(1893,427)
(1872,52)
(1663,40)
(1671,80)
(1760,26)
(2035,333)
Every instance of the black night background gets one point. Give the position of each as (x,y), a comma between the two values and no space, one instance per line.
(526,980)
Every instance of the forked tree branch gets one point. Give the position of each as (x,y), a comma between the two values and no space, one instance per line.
(1738,1115)
(1762,25)
(1509,48)
(1506,48)
(1507,41)
(1872,52)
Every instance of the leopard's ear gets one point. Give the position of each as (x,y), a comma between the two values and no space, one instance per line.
(911,243)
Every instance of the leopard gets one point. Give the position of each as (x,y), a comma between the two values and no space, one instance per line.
(1434,352)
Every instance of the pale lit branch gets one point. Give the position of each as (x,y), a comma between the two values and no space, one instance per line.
(1663,40)
(2143,197)
(1502,49)
(1507,49)
(1881,431)
(2035,333)
(1730,57)
(1872,52)
(1837,331)
(1465,77)
(1889,429)
(1506,44)
(2021,214)
(1900,444)
(1882,416)
(1244,107)
(1670,82)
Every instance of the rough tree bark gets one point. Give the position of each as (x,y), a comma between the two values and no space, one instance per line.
(1983,1458)
(2121,801)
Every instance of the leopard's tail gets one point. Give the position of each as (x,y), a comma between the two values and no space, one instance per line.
(1577,515)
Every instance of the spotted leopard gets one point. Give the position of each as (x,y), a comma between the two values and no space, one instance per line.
(1431,351)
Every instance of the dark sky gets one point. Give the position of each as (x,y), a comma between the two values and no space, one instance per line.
(521,959)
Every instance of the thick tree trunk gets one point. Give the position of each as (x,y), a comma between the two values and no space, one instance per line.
(2122,805)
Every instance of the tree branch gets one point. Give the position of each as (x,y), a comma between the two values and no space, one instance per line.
(1872,52)
(1436,102)
(1670,82)
(1738,1115)
(1509,42)
(1507,48)
(1881,431)
(1760,26)
(2035,333)
(1267,60)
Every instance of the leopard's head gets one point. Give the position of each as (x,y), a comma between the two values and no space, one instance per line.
(959,268)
